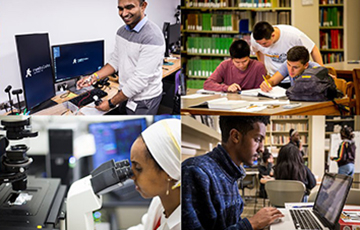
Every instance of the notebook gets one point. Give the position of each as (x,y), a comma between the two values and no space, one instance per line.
(276,92)
(328,206)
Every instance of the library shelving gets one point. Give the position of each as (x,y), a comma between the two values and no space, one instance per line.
(277,134)
(210,26)
(338,35)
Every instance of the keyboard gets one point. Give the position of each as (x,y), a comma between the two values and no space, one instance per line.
(87,98)
(303,219)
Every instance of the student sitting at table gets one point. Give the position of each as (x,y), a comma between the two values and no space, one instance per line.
(266,171)
(239,72)
(297,61)
(290,166)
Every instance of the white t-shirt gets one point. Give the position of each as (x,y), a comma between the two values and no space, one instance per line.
(275,55)
(155,212)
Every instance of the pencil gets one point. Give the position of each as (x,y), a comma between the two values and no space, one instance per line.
(266,81)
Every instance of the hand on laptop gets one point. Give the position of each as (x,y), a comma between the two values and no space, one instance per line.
(265,87)
(103,106)
(265,217)
(85,82)
(234,88)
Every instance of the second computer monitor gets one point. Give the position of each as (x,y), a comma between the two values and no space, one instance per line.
(77,59)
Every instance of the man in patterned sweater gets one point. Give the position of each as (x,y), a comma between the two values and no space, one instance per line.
(138,57)
(210,194)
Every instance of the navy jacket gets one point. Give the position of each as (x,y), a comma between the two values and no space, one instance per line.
(210,195)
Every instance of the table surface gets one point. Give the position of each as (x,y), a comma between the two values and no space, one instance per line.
(344,67)
(306,108)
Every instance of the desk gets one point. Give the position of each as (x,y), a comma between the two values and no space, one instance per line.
(62,109)
(306,108)
(170,69)
(344,70)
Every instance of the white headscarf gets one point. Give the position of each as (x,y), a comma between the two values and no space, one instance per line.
(163,141)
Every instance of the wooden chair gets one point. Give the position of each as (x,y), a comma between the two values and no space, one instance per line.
(345,87)
(356,80)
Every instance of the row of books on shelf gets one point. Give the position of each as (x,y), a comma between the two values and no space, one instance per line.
(330,16)
(238,3)
(301,127)
(284,139)
(332,39)
(332,57)
(289,117)
(206,120)
(209,45)
(195,83)
(273,17)
(327,2)
(197,67)
(213,22)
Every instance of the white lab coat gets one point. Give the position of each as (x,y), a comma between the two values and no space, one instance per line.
(156,211)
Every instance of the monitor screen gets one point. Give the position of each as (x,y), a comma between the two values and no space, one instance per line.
(77,59)
(35,66)
(174,33)
(165,116)
(113,140)
(332,195)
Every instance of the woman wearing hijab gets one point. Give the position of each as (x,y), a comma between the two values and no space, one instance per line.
(346,152)
(155,158)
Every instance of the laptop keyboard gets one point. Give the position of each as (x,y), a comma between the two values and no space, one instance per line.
(87,98)
(303,219)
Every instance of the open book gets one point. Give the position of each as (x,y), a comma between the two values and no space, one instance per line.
(223,103)
(275,93)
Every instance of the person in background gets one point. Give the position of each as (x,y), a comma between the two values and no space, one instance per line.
(294,138)
(239,72)
(266,171)
(290,166)
(346,152)
(155,159)
(138,58)
(298,60)
(271,43)
(210,194)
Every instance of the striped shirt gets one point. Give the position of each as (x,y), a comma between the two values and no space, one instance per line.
(138,57)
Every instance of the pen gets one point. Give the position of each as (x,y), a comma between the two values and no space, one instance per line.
(266,81)
(25,111)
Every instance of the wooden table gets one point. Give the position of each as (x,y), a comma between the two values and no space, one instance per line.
(344,69)
(169,69)
(62,108)
(306,108)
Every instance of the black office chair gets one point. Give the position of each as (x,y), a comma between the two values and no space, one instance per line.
(249,182)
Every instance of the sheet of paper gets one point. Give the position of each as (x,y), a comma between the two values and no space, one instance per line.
(250,92)
(271,102)
(276,92)
(250,109)
(194,96)
(204,91)
(90,110)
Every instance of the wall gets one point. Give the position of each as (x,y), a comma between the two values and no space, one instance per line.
(351,30)
(66,21)
(306,19)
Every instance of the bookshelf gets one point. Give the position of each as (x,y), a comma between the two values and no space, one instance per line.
(199,134)
(209,28)
(277,133)
(338,36)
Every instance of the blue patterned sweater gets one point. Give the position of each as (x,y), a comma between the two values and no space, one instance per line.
(210,195)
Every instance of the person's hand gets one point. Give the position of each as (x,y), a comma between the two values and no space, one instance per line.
(234,88)
(104,106)
(265,87)
(332,158)
(265,217)
(85,82)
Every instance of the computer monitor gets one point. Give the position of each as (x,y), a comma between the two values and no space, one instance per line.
(35,66)
(165,116)
(172,38)
(77,59)
(113,140)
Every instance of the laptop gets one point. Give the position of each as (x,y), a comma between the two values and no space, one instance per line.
(327,208)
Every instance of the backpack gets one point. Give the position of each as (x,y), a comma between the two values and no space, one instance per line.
(314,84)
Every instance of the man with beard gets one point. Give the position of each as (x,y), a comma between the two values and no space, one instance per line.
(138,57)
(210,195)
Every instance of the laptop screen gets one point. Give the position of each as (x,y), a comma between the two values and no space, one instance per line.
(331,197)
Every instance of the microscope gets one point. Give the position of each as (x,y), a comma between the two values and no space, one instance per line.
(13,161)
(39,203)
